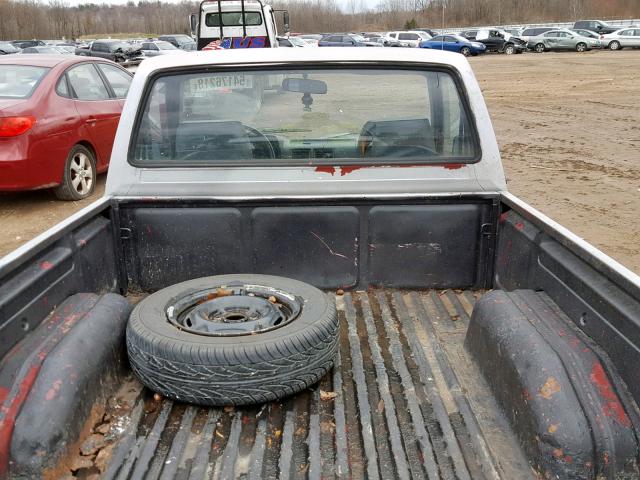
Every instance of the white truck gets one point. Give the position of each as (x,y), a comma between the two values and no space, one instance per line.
(225,24)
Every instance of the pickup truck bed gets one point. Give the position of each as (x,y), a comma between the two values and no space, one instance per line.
(393,408)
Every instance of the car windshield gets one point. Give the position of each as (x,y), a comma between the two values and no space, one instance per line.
(165,46)
(19,81)
(358,38)
(304,117)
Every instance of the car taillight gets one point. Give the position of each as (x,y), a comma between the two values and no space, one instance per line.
(14,126)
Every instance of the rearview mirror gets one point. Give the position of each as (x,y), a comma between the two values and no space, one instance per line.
(304,85)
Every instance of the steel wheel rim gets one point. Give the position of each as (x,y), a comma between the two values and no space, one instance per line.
(581,47)
(509,50)
(233,310)
(466,51)
(81,173)
(539,48)
(614,46)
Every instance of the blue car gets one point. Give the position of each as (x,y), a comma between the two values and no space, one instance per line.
(454,43)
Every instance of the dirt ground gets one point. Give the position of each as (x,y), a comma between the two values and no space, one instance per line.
(568,125)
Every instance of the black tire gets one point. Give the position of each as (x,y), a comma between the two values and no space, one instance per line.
(466,51)
(69,189)
(509,49)
(232,370)
(615,45)
(540,48)
(581,47)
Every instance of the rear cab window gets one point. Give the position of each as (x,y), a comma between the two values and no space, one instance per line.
(233,19)
(320,116)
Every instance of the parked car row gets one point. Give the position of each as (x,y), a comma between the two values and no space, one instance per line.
(126,52)
(585,35)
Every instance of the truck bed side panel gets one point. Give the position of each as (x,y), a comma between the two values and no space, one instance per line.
(79,255)
(599,295)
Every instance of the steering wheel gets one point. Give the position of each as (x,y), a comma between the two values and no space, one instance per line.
(261,147)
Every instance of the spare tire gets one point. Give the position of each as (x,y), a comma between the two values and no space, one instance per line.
(233,339)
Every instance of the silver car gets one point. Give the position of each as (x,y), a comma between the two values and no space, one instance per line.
(158,47)
(562,40)
(627,37)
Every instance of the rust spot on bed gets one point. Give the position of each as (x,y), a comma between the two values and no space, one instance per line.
(10,413)
(347,169)
(612,406)
(550,388)
(53,391)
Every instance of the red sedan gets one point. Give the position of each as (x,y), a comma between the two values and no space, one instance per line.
(58,118)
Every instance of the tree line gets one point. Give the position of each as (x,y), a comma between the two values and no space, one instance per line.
(25,19)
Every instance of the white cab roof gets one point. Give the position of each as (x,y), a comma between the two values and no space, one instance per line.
(288,55)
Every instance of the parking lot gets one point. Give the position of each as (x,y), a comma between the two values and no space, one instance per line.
(569,131)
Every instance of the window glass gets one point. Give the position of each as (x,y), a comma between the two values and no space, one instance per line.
(627,33)
(232,19)
(438,39)
(19,81)
(213,118)
(62,88)
(120,81)
(86,83)
(99,47)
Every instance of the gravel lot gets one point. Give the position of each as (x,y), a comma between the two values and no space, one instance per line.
(569,129)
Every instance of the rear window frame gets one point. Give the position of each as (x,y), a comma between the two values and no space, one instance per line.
(35,86)
(222,24)
(296,163)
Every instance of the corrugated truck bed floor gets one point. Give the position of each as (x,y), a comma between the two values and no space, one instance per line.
(404,401)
